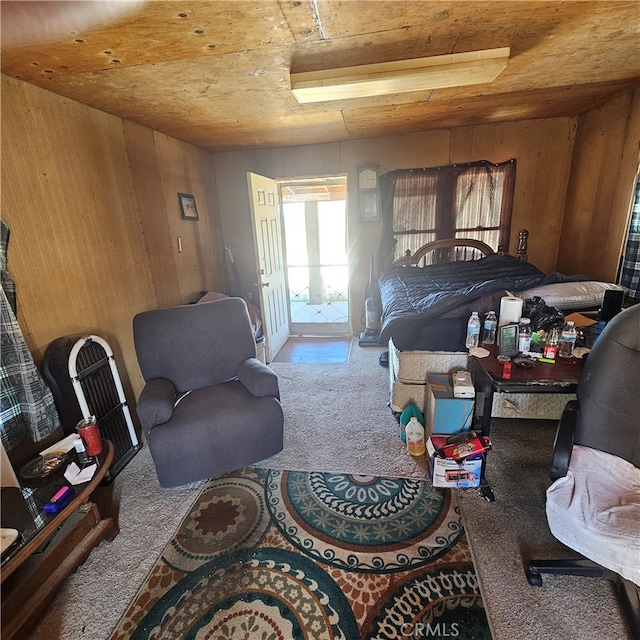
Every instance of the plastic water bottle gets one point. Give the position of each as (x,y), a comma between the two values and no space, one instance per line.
(473,331)
(415,438)
(524,335)
(567,340)
(490,325)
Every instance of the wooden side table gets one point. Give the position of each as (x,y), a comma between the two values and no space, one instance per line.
(560,377)
(32,577)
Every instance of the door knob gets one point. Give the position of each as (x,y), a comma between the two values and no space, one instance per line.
(265,284)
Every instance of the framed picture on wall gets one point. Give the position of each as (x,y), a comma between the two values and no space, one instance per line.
(188,209)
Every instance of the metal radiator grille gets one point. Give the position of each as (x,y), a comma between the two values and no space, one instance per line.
(100,390)
(84,379)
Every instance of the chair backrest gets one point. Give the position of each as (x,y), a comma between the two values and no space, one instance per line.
(609,390)
(195,345)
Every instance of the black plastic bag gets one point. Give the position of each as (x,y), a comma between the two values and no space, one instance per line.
(542,315)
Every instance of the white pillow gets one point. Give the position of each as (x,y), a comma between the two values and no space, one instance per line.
(571,295)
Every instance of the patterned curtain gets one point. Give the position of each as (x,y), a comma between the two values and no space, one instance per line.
(630,275)
(473,200)
(483,196)
(27,410)
(414,211)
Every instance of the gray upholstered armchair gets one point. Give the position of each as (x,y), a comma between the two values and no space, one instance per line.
(208,406)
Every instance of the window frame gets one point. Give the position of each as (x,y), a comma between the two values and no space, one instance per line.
(444,184)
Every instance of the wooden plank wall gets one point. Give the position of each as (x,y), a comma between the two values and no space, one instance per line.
(606,161)
(92,205)
(543,149)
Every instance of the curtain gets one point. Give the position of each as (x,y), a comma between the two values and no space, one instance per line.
(484,198)
(630,275)
(27,410)
(387,184)
(474,200)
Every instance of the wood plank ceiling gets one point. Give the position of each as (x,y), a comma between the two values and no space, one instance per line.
(216,73)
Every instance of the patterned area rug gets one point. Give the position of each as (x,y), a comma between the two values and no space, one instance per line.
(278,555)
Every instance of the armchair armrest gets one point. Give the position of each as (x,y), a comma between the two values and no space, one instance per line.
(563,444)
(259,380)
(155,404)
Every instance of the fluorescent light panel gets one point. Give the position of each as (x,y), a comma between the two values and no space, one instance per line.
(402,76)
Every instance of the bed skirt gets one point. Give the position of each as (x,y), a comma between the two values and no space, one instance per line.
(408,371)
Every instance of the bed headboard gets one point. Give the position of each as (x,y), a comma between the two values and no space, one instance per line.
(456,249)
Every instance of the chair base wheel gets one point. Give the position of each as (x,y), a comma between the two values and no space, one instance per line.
(534,579)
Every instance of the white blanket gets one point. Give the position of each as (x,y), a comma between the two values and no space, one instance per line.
(595,510)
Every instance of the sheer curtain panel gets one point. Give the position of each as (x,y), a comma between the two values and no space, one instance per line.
(474,200)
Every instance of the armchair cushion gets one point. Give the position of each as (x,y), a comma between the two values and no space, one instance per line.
(259,380)
(595,510)
(155,405)
(195,346)
(208,435)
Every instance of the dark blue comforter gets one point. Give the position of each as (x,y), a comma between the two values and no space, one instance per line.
(422,294)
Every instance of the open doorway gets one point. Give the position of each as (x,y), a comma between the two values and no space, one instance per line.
(317,271)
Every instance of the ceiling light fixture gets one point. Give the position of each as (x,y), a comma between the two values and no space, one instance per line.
(383,78)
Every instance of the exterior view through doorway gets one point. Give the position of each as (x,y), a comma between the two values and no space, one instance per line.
(317,272)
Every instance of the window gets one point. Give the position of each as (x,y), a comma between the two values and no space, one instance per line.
(459,201)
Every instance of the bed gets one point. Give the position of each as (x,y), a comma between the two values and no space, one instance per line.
(427,297)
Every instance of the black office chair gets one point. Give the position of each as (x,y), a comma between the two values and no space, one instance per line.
(593,505)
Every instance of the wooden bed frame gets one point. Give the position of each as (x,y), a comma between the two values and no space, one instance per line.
(457,249)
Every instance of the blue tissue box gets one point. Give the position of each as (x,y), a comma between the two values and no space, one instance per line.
(445,414)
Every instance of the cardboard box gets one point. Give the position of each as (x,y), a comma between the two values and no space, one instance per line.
(443,413)
(450,474)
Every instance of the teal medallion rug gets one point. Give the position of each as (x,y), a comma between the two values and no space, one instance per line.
(282,555)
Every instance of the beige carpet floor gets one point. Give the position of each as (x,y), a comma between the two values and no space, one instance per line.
(336,419)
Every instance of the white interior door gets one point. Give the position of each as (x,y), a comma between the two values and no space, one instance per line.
(270,260)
